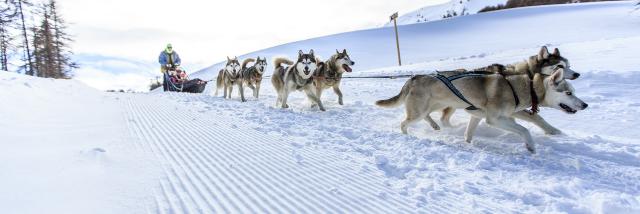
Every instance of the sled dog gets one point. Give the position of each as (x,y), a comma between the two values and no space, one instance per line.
(543,63)
(492,96)
(252,76)
(229,76)
(330,75)
(298,77)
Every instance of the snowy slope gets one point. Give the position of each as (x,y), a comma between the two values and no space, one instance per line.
(452,8)
(64,149)
(470,35)
(67,148)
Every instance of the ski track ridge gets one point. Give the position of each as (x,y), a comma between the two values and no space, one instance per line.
(213,164)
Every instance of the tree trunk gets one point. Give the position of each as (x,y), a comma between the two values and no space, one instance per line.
(28,69)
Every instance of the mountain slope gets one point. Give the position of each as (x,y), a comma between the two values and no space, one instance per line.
(450,9)
(469,35)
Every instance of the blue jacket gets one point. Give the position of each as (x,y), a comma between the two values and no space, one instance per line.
(163,59)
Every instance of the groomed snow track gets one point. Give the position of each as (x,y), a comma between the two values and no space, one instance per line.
(212,164)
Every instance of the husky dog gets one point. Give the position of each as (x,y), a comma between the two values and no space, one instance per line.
(229,76)
(544,63)
(252,76)
(297,77)
(492,95)
(330,75)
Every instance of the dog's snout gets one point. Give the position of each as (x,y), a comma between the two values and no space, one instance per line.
(576,75)
(306,68)
(353,63)
(584,106)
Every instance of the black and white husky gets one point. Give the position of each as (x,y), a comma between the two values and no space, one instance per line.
(252,76)
(229,76)
(298,77)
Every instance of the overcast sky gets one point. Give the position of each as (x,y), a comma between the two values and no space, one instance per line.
(204,32)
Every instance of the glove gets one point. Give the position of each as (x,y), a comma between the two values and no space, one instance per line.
(168,65)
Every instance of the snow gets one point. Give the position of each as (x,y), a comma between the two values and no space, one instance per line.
(452,8)
(67,148)
(466,36)
(64,149)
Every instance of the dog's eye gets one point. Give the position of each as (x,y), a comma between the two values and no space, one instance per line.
(568,93)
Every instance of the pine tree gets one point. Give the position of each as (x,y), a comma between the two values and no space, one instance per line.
(61,40)
(51,51)
(8,15)
(43,48)
(22,7)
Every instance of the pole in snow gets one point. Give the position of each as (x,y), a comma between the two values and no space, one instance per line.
(395,25)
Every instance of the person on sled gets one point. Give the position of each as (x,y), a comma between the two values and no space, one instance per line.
(169,61)
(174,78)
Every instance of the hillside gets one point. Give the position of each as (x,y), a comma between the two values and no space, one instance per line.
(469,35)
(450,9)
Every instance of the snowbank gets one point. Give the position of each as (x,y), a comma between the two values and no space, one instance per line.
(65,150)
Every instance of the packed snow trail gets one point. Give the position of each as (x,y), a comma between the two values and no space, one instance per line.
(214,163)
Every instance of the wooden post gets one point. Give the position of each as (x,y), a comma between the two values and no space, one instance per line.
(395,25)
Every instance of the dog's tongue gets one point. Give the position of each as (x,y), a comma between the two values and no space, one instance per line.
(346,68)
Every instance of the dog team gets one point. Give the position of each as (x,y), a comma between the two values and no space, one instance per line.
(499,94)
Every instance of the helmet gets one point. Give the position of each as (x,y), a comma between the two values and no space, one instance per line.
(169,48)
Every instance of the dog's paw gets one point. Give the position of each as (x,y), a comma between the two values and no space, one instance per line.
(531,149)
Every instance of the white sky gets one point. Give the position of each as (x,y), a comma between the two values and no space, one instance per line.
(204,32)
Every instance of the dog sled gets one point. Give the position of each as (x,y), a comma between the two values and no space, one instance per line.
(176,80)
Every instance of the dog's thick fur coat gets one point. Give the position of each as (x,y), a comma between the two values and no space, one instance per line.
(329,75)
(229,76)
(298,77)
(543,63)
(252,76)
(491,94)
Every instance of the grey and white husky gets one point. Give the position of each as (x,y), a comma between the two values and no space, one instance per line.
(229,76)
(330,74)
(298,77)
(252,76)
(493,96)
(543,63)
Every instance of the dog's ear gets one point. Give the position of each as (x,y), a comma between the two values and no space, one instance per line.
(228,59)
(556,52)
(557,77)
(344,51)
(311,52)
(300,53)
(337,51)
(320,66)
(544,53)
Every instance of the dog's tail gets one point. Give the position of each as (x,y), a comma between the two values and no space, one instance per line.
(277,62)
(398,99)
(218,82)
(247,61)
